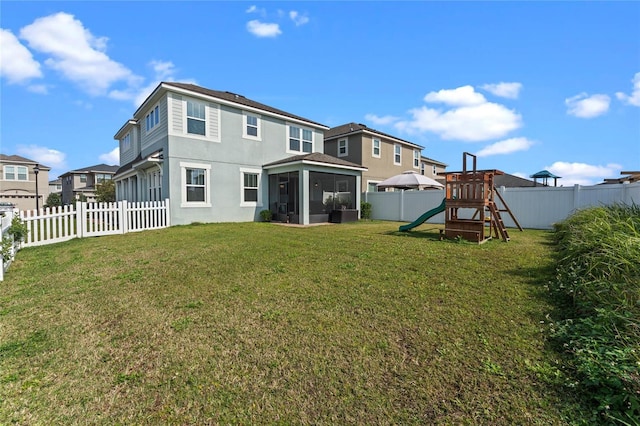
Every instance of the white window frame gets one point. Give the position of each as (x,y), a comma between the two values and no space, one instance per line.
(375,182)
(302,129)
(209,110)
(345,146)
(16,172)
(183,184)
(416,159)
(434,170)
(423,168)
(245,125)
(83,178)
(244,203)
(397,147)
(152,119)
(126,142)
(373,147)
(188,117)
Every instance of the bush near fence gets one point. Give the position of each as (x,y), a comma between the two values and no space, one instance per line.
(597,286)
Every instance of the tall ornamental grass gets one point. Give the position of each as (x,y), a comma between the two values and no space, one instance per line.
(598,281)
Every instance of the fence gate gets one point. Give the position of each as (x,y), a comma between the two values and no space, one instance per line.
(96,219)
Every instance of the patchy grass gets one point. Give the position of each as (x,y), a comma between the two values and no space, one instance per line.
(261,323)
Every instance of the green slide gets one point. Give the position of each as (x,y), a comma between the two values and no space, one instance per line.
(434,211)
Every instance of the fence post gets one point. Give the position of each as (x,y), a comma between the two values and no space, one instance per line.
(122,216)
(576,196)
(168,212)
(80,219)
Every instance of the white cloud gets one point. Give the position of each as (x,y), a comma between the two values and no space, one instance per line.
(41,89)
(473,123)
(506,147)
(504,90)
(163,71)
(583,174)
(381,121)
(297,18)
(16,62)
(252,8)
(263,29)
(461,96)
(43,155)
(585,106)
(111,158)
(634,98)
(76,53)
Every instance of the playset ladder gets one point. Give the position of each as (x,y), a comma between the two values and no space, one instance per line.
(497,222)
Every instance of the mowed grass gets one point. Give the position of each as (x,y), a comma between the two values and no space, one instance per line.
(258,323)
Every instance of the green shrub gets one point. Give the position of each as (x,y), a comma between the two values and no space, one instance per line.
(365,210)
(266,215)
(598,284)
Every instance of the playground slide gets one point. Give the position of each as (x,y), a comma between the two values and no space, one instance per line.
(434,211)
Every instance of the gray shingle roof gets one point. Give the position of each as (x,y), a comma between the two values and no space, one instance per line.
(98,168)
(239,99)
(19,159)
(348,128)
(315,157)
(511,181)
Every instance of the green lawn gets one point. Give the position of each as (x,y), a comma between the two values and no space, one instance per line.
(261,323)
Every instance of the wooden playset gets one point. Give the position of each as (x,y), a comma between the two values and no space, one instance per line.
(471,211)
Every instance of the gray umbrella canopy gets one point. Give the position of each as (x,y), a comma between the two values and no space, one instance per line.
(410,180)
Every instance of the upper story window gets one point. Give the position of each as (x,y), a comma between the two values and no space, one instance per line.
(16,173)
(196,122)
(435,171)
(416,158)
(343,148)
(422,168)
(101,177)
(251,128)
(126,142)
(397,154)
(152,118)
(83,178)
(375,150)
(300,139)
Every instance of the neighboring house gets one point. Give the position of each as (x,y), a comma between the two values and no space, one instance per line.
(383,155)
(18,182)
(55,186)
(221,157)
(433,169)
(83,182)
(511,181)
(627,177)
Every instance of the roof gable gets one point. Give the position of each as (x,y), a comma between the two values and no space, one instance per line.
(352,128)
(233,98)
(316,157)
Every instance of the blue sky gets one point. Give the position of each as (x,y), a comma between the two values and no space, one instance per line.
(525,86)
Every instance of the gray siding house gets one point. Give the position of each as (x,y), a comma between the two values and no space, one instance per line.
(221,157)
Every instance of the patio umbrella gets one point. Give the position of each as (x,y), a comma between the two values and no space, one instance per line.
(410,180)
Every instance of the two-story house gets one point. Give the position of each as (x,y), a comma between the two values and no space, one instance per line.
(18,182)
(83,182)
(221,157)
(382,154)
(433,169)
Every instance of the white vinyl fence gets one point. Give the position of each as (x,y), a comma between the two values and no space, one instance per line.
(534,207)
(57,224)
